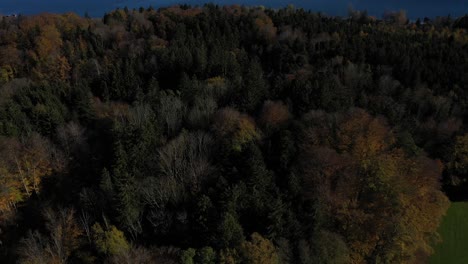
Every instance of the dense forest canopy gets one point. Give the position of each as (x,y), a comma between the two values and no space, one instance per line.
(229,135)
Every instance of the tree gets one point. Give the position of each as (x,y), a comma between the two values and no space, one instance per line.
(274,114)
(265,28)
(259,251)
(329,248)
(371,193)
(65,233)
(62,240)
(139,255)
(230,232)
(24,165)
(52,65)
(33,249)
(235,128)
(111,241)
(202,111)
(127,199)
(172,111)
(206,255)
(253,89)
(187,256)
(458,166)
(399,17)
(229,256)
(186,159)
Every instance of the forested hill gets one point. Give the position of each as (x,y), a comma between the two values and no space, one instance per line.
(229,135)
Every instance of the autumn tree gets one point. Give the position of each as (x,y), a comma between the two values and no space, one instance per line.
(274,114)
(51,63)
(24,165)
(361,180)
(235,128)
(397,17)
(266,30)
(259,250)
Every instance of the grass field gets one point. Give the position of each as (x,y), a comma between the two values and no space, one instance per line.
(454,232)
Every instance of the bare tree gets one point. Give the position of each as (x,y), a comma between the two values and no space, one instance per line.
(57,247)
(172,110)
(186,158)
(140,115)
(64,233)
(398,17)
(85,221)
(202,111)
(32,249)
(71,137)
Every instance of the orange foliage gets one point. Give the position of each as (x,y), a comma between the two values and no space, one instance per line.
(49,42)
(265,27)
(363,135)
(176,10)
(235,10)
(64,22)
(274,114)
(385,203)
(10,55)
(239,128)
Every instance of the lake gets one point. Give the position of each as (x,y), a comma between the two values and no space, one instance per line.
(415,9)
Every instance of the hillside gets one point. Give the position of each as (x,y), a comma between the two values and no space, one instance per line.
(229,135)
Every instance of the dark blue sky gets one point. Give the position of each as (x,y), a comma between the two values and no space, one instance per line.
(414,8)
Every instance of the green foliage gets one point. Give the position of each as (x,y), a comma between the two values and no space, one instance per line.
(111,241)
(187,256)
(206,255)
(230,232)
(253,89)
(329,248)
(190,127)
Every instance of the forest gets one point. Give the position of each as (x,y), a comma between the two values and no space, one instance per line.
(230,134)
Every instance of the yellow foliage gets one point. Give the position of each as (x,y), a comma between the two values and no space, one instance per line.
(48,42)
(373,191)
(110,242)
(246,132)
(363,135)
(22,167)
(259,251)
(11,56)
(239,128)
(216,81)
(10,191)
(6,74)
(265,27)
(228,256)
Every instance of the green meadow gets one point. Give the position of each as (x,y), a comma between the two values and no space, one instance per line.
(454,232)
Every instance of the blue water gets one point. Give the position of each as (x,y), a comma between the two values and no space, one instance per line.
(414,8)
